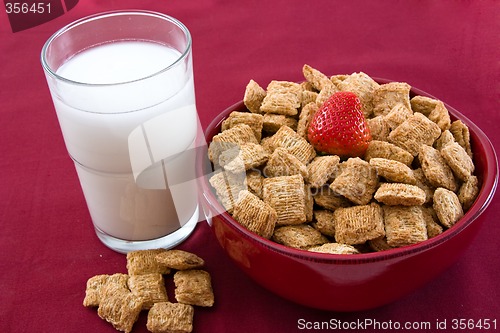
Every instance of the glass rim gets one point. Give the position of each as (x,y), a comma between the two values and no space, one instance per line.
(53,72)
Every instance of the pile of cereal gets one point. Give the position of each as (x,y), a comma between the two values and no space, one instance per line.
(121,297)
(415,179)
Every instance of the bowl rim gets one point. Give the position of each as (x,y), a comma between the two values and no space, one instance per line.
(488,187)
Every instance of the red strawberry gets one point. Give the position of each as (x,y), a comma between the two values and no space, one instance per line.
(339,126)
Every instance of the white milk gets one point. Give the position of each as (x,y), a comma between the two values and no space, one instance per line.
(129,141)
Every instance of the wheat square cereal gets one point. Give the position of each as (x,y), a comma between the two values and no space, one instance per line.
(296,145)
(305,118)
(253,97)
(194,287)
(398,114)
(282,97)
(179,259)
(301,236)
(326,198)
(254,180)
(393,170)
(404,225)
(308,97)
(334,248)
(309,202)
(431,222)
(254,214)
(435,168)
(144,262)
(324,222)
(394,194)
(273,122)
(287,196)
(119,307)
(440,116)
(461,134)
(379,244)
(363,86)
(243,157)
(318,80)
(149,288)
(321,169)
(458,160)
(358,224)
(383,149)
(388,95)
(236,135)
(282,163)
(444,139)
(357,181)
(424,184)
(468,192)
(423,104)
(166,317)
(447,207)
(379,128)
(227,187)
(325,94)
(96,284)
(414,132)
(255,121)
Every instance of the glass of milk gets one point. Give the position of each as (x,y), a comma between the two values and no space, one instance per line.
(122,87)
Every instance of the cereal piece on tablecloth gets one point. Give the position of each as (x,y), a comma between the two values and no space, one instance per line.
(308,97)
(357,181)
(296,145)
(255,121)
(149,288)
(300,236)
(254,214)
(321,169)
(394,194)
(194,287)
(468,192)
(243,157)
(254,181)
(254,95)
(282,97)
(96,283)
(282,163)
(435,169)
(458,160)
(447,207)
(305,118)
(166,317)
(379,128)
(404,225)
(119,307)
(334,248)
(287,196)
(318,80)
(227,186)
(461,134)
(431,222)
(179,259)
(424,184)
(236,135)
(324,222)
(144,262)
(358,224)
(444,139)
(414,132)
(363,86)
(379,244)
(423,104)
(273,122)
(383,149)
(393,171)
(388,95)
(440,116)
(398,114)
(326,198)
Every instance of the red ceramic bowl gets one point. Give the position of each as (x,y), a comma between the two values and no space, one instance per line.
(350,282)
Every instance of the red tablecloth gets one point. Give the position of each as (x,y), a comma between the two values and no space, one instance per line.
(47,243)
